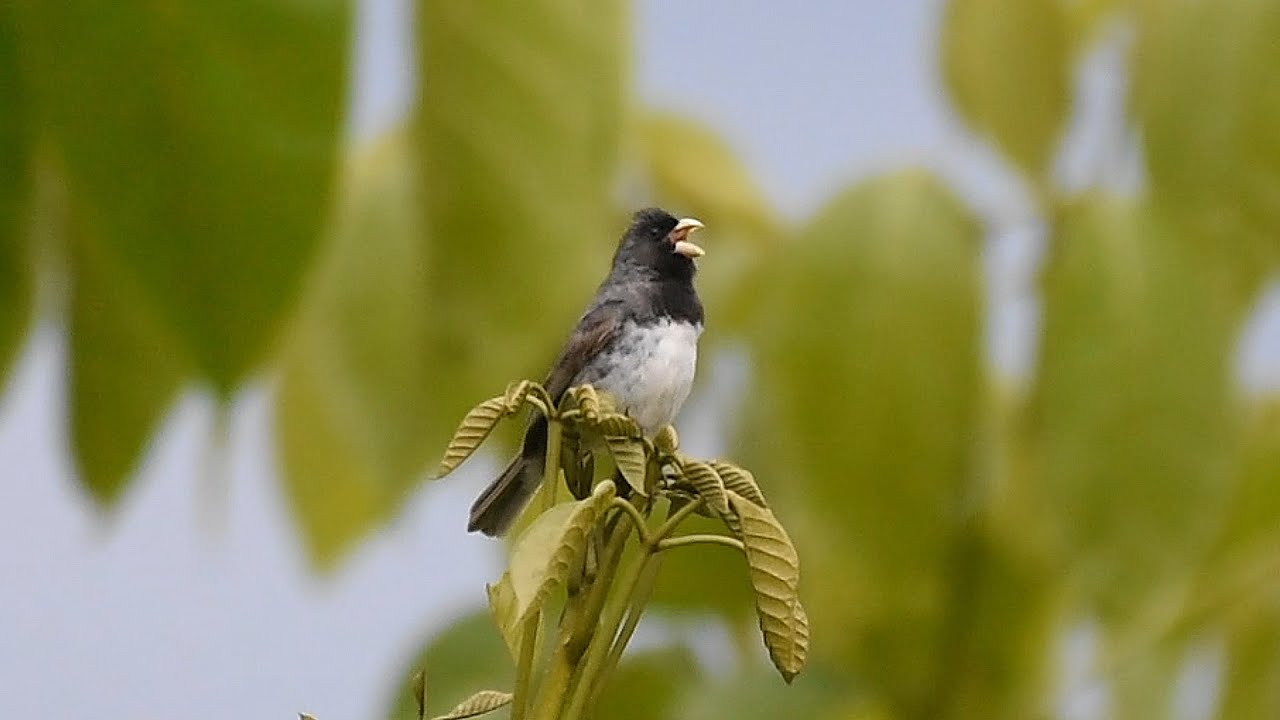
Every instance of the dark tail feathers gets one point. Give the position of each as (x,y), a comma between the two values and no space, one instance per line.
(500,504)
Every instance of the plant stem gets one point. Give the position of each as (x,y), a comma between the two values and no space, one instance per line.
(673,542)
(644,591)
(670,525)
(556,684)
(551,470)
(524,668)
(636,519)
(602,640)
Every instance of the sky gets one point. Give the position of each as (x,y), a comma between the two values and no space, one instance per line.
(194,600)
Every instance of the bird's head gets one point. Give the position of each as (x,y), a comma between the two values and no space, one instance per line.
(659,243)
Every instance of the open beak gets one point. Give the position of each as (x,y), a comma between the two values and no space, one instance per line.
(684,229)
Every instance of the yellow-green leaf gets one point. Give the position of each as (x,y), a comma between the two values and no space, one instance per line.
(1205,91)
(628,454)
(200,142)
(1007,68)
(667,441)
(354,411)
(544,557)
(775,575)
(740,481)
(1133,411)
(694,170)
(472,431)
(125,369)
(482,703)
(707,482)
(502,605)
(874,425)
(519,122)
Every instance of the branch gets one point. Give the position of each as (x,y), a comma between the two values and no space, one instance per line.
(668,543)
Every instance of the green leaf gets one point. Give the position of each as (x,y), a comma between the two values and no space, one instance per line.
(693,169)
(200,142)
(466,657)
(708,484)
(482,703)
(1007,68)
(667,441)
(125,367)
(1138,334)
(740,481)
(356,422)
(519,124)
(15,191)
(503,607)
(775,575)
(544,557)
(629,455)
(1204,91)
(874,425)
(472,431)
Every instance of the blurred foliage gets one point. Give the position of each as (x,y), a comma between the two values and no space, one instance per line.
(183,167)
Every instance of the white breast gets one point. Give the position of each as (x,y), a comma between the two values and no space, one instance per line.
(649,370)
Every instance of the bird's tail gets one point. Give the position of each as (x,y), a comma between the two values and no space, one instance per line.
(500,504)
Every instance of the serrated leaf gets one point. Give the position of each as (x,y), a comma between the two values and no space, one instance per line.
(707,482)
(471,432)
(355,417)
(775,576)
(543,558)
(691,166)
(740,481)
(213,209)
(1204,91)
(618,425)
(519,122)
(483,702)
(1007,67)
(628,454)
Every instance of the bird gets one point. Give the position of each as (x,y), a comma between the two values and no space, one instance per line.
(637,340)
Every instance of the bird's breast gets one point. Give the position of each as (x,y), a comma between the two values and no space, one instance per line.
(649,369)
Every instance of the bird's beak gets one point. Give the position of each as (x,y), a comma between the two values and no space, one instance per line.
(684,229)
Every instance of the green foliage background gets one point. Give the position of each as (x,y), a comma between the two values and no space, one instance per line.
(190,207)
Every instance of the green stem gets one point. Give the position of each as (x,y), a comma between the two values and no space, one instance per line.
(602,640)
(644,591)
(551,470)
(673,542)
(556,684)
(670,525)
(636,519)
(524,668)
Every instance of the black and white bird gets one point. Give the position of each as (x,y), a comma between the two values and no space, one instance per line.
(638,340)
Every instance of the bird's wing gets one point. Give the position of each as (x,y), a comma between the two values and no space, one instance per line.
(593,335)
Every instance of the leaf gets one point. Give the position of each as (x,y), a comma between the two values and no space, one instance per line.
(466,656)
(874,425)
(483,702)
(503,607)
(708,484)
(775,575)
(691,167)
(544,557)
(519,124)
(1007,68)
(355,419)
(739,481)
(629,455)
(667,441)
(1138,333)
(1204,92)
(200,149)
(125,367)
(472,431)
(419,685)
(15,193)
